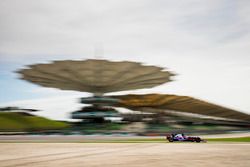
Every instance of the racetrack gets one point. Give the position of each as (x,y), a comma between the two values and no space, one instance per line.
(124,154)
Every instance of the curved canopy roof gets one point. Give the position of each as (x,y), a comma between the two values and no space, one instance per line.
(179,103)
(95,76)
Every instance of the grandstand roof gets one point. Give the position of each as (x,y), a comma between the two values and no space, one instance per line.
(96,76)
(179,103)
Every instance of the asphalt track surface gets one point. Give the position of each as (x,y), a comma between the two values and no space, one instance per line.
(97,138)
(124,154)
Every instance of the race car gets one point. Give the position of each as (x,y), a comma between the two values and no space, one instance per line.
(182,137)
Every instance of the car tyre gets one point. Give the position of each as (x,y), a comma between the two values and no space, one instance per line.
(170,140)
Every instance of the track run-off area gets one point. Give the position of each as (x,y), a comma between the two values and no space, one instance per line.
(124,154)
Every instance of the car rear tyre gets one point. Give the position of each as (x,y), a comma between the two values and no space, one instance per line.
(170,140)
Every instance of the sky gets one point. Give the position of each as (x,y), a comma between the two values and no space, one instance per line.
(205,42)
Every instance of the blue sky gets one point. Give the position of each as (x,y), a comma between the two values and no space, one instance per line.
(207,43)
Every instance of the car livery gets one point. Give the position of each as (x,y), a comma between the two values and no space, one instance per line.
(182,137)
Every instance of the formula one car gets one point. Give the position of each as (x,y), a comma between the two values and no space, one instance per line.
(182,137)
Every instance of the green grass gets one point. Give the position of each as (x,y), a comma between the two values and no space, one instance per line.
(163,140)
(135,140)
(238,139)
(18,122)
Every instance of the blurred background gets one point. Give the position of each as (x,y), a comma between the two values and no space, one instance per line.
(200,46)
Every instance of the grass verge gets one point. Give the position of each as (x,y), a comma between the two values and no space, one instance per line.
(237,139)
(134,140)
